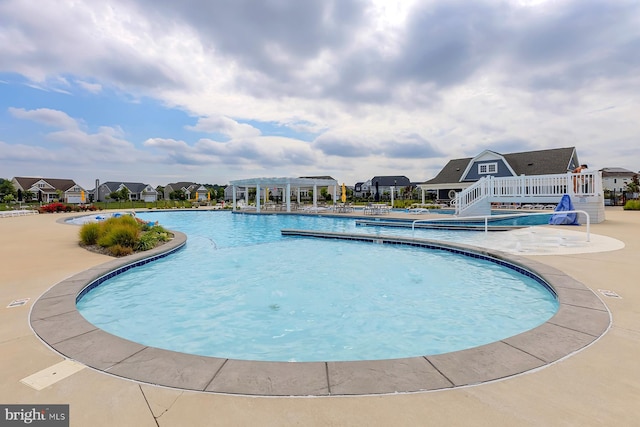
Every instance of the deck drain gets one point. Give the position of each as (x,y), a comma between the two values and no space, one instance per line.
(18,302)
(608,293)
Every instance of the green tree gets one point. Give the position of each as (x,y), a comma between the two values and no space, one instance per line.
(6,188)
(177,195)
(124,193)
(160,191)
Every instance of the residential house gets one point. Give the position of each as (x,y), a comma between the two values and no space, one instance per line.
(137,190)
(47,190)
(459,174)
(189,189)
(362,189)
(616,179)
(199,193)
(382,186)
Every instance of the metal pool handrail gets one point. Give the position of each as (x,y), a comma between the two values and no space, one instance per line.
(486,219)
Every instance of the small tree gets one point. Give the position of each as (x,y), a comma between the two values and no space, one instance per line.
(634,185)
(178,195)
(124,193)
(6,188)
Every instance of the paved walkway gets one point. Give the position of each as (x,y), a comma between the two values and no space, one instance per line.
(598,386)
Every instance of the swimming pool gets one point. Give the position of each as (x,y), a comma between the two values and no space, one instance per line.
(259,294)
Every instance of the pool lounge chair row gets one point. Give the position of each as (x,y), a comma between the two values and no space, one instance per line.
(538,207)
(376,209)
(21,212)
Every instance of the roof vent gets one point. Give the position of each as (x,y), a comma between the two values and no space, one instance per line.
(530,164)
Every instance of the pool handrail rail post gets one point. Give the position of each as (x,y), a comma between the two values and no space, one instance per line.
(486,219)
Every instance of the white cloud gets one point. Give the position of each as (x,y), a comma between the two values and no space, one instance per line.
(46,116)
(225,126)
(25,153)
(90,87)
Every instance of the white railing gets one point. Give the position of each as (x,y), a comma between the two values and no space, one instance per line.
(471,195)
(528,188)
(485,218)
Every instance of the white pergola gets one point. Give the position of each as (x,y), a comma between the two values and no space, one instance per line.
(285,183)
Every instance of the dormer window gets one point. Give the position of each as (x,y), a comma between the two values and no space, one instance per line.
(487,168)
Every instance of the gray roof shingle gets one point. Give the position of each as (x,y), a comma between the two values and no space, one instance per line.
(540,162)
(58,184)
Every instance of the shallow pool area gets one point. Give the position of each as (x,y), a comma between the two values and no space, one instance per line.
(240,290)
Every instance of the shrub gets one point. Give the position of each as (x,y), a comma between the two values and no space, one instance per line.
(632,205)
(120,234)
(89,233)
(119,250)
(113,221)
(160,231)
(147,241)
(53,207)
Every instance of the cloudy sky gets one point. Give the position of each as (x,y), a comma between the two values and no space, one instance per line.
(160,91)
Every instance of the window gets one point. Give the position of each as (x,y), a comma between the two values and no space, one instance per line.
(486,168)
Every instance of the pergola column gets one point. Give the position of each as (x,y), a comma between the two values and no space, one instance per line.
(315,195)
(258,198)
(288,197)
(233,197)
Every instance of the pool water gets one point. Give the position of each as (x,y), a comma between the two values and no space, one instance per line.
(240,290)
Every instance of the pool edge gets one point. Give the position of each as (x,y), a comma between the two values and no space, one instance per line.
(581,319)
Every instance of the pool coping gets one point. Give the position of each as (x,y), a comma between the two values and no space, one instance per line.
(581,319)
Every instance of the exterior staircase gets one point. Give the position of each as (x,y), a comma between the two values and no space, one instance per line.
(585,190)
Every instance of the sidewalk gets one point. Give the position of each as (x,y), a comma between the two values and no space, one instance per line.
(597,386)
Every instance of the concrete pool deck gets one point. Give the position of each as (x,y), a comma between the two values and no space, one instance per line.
(597,386)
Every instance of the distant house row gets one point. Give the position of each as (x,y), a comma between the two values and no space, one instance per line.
(455,176)
(47,190)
